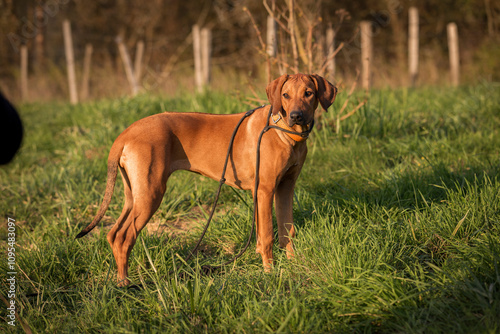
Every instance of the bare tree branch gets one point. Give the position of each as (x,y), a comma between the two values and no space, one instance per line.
(277,19)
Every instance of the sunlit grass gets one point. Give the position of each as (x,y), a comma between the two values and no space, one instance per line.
(397,225)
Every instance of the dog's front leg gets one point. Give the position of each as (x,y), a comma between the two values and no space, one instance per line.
(284,214)
(264,225)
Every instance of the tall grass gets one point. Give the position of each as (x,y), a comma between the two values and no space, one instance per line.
(397,225)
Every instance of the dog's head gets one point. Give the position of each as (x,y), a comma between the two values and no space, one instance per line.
(297,96)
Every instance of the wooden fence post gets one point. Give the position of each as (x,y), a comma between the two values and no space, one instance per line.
(86,72)
(272,45)
(454,55)
(413,45)
(330,46)
(202,48)
(139,53)
(293,37)
(366,54)
(127,63)
(198,74)
(24,72)
(70,62)
(206,54)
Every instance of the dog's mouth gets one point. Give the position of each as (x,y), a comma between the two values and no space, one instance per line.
(300,123)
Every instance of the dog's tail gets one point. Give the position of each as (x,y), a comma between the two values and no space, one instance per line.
(113,161)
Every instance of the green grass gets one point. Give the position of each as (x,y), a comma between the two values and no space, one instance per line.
(397,227)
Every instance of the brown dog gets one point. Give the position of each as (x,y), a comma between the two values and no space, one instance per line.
(154,147)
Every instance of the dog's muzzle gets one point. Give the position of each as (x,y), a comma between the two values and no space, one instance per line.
(296,118)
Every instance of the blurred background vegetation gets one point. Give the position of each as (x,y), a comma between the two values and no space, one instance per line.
(166,26)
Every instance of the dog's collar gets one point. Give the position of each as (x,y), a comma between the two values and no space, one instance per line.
(296,136)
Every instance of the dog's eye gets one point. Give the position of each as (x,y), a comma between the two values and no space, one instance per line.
(308,93)
(286,96)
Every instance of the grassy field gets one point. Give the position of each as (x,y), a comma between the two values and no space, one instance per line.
(397,225)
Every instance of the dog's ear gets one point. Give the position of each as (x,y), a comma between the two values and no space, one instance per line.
(325,91)
(273,91)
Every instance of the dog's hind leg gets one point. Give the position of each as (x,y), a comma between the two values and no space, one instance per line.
(125,234)
(143,196)
(127,208)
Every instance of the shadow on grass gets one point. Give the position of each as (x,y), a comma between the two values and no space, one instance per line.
(469,294)
(410,190)
(460,263)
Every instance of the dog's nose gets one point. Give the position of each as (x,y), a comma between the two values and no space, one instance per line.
(297,117)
